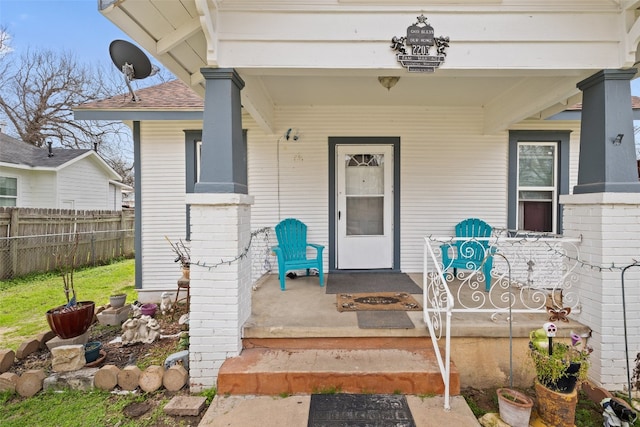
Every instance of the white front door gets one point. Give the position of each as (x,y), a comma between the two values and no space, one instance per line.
(365,206)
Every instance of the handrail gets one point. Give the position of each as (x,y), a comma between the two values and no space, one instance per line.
(445,366)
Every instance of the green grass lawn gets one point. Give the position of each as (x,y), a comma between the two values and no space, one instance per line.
(24,301)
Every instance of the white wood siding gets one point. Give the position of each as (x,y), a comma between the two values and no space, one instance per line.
(449,171)
(85,183)
(162,203)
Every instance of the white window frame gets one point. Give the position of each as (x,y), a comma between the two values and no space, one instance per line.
(553,188)
(17,190)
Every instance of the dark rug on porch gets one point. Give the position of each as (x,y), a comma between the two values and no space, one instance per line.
(359,410)
(384,320)
(338,283)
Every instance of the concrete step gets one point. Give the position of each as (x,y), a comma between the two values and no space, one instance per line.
(272,371)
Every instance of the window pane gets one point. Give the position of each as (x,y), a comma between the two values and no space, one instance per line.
(364,174)
(365,216)
(7,202)
(536,216)
(536,163)
(8,187)
(535,195)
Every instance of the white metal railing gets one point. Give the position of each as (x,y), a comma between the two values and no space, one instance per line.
(531,272)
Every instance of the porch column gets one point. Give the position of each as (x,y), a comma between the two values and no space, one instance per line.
(604,210)
(220,220)
(607,143)
(609,224)
(223,158)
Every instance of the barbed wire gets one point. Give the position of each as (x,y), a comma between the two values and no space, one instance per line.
(536,237)
(267,264)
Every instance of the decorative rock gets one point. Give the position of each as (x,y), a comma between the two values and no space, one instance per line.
(30,382)
(67,358)
(175,378)
(185,406)
(6,359)
(492,420)
(27,347)
(129,377)
(114,316)
(107,377)
(76,380)
(151,378)
(181,357)
(44,337)
(8,382)
(59,342)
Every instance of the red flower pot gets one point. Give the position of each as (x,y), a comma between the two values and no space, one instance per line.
(70,323)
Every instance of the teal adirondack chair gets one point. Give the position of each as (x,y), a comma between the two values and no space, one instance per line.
(292,250)
(470,254)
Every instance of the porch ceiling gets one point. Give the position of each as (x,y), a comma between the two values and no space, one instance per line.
(182,35)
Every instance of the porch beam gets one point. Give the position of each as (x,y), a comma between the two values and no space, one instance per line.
(526,99)
(179,35)
(208,11)
(559,107)
(256,100)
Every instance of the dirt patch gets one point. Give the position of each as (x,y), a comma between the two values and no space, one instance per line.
(482,401)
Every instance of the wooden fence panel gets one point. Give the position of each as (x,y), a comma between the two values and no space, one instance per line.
(30,238)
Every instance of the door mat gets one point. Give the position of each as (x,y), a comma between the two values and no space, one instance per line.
(400,301)
(340,283)
(359,410)
(384,320)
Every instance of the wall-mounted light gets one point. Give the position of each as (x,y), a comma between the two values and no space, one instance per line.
(388,81)
(618,139)
(291,134)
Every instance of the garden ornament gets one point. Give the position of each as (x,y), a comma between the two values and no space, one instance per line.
(166,304)
(551,329)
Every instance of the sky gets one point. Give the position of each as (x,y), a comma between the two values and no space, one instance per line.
(60,25)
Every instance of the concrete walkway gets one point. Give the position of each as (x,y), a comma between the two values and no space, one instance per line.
(293,411)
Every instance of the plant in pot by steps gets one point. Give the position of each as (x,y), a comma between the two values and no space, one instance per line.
(560,367)
(75,317)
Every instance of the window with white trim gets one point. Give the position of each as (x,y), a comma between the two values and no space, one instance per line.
(8,191)
(538,176)
(537,187)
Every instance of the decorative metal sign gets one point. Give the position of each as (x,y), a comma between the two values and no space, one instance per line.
(420,39)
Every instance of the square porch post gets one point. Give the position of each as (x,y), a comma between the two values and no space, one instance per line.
(604,210)
(220,218)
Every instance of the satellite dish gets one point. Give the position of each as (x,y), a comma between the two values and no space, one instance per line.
(132,62)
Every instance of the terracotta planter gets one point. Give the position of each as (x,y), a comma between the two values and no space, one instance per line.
(71,323)
(556,409)
(515,407)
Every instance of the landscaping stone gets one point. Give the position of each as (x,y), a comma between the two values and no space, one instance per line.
(107,377)
(185,406)
(76,380)
(6,359)
(151,378)
(175,378)
(30,382)
(129,377)
(58,342)
(114,316)
(8,381)
(492,420)
(67,358)
(27,347)
(44,337)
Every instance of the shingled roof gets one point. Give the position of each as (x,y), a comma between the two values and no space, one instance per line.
(172,95)
(17,152)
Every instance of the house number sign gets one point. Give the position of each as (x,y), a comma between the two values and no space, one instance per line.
(420,40)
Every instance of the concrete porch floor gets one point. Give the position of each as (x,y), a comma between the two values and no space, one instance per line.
(479,348)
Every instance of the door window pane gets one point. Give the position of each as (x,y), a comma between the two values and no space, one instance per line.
(364,187)
(365,216)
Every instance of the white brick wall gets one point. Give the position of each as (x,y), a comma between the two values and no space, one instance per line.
(609,224)
(220,294)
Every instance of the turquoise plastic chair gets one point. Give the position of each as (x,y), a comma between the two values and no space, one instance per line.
(292,250)
(470,254)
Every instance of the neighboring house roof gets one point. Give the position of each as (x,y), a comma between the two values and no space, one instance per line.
(635,104)
(16,153)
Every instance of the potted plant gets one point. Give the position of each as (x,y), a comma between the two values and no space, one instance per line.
(560,367)
(183,256)
(75,317)
(117,300)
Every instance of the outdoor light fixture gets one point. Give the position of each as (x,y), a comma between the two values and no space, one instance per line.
(388,81)
(618,139)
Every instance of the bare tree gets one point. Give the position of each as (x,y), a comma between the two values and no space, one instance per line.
(39,90)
